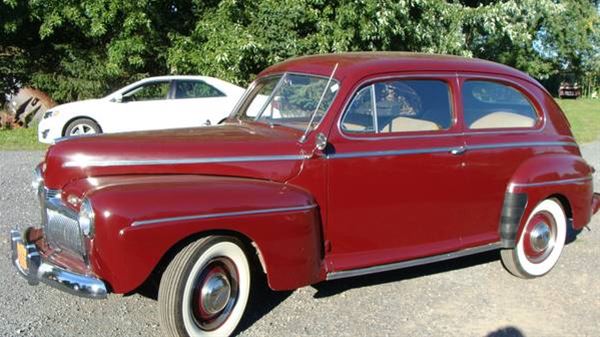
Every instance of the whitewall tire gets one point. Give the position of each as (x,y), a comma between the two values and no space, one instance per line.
(205,289)
(540,243)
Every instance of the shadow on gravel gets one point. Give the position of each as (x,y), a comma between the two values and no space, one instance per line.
(261,302)
(506,332)
(331,288)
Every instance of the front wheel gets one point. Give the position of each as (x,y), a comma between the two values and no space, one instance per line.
(540,243)
(82,126)
(204,290)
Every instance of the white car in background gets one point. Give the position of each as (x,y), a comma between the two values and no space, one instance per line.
(164,102)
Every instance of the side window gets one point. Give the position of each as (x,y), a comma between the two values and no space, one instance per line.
(195,89)
(400,106)
(493,105)
(359,116)
(148,92)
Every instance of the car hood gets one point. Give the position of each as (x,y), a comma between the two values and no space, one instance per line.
(78,105)
(243,150)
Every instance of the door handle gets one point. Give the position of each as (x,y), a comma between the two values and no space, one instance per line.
(458,150)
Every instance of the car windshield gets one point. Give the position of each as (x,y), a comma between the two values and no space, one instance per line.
(289,100)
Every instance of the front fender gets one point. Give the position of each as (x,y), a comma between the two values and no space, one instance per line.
(139,219)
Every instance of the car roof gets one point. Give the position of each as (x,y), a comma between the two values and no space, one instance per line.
(176,77)
(364,63)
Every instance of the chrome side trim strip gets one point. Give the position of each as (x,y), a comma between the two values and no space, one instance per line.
(223,215)
(388,153)
(518,144)
(512,186)
(412,263)
(444,149)
(83,162)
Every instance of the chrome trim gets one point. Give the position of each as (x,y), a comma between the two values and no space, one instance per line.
(106,163)
(518,144)
(444,149)
(59,222)
(430,76)
(38,178)
(512,186)
(458,75)
(412,263)
(52,275)
(388,153)
(222,215)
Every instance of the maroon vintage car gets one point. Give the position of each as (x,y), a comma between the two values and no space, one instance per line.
(330,166)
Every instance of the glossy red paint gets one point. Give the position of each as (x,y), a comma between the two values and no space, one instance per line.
(372,210)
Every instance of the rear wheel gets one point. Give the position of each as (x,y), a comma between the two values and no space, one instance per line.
(82,126)
(540,243)
(204,290)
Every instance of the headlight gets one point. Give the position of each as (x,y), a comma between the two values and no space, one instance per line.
(86,218)
(51,113)
(37,178)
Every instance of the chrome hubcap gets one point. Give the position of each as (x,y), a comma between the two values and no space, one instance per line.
(540,237)
(215,293)
(82,129)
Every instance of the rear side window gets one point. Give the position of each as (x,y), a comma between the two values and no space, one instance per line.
(493,105)
(399,106)
(195,89)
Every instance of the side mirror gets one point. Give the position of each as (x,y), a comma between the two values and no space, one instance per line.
(320,141)
(117,99)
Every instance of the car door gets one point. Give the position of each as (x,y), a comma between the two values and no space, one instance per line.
(395,174)
(198,103)
(502,130)
(144,107)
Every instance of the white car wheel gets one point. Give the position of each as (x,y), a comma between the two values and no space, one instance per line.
(82,126)
(541,242)
(204,290)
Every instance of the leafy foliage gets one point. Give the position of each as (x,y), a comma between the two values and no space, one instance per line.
(76,49)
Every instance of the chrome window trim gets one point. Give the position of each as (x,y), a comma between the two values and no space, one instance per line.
(412,263)
(270,98)
(374,110)
(223,215)
(541,113)
(512,186)
(238,106)
(418,134)
(444,149)
(208,160)
(458,75)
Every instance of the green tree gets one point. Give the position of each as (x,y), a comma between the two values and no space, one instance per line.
(76,49)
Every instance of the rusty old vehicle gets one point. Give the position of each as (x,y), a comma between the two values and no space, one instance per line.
(569,90)
(330,166)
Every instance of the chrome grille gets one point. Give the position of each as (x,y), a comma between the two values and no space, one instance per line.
(60,223)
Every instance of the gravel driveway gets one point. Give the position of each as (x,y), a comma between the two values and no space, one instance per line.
(472,296)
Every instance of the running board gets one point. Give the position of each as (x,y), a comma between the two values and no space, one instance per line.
(412,263)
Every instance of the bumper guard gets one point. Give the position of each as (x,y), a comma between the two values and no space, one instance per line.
(38,270)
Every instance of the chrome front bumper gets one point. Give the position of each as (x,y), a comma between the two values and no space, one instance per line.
(39,270)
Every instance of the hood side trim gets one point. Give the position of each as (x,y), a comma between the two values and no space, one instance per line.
(223,215)
(88,162)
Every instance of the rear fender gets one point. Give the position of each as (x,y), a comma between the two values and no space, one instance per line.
(139,220)
(566,177)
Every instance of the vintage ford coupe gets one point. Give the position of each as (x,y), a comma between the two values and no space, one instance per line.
(330,166)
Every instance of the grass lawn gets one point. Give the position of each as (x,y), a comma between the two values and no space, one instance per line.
(584,116)
(20,139)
